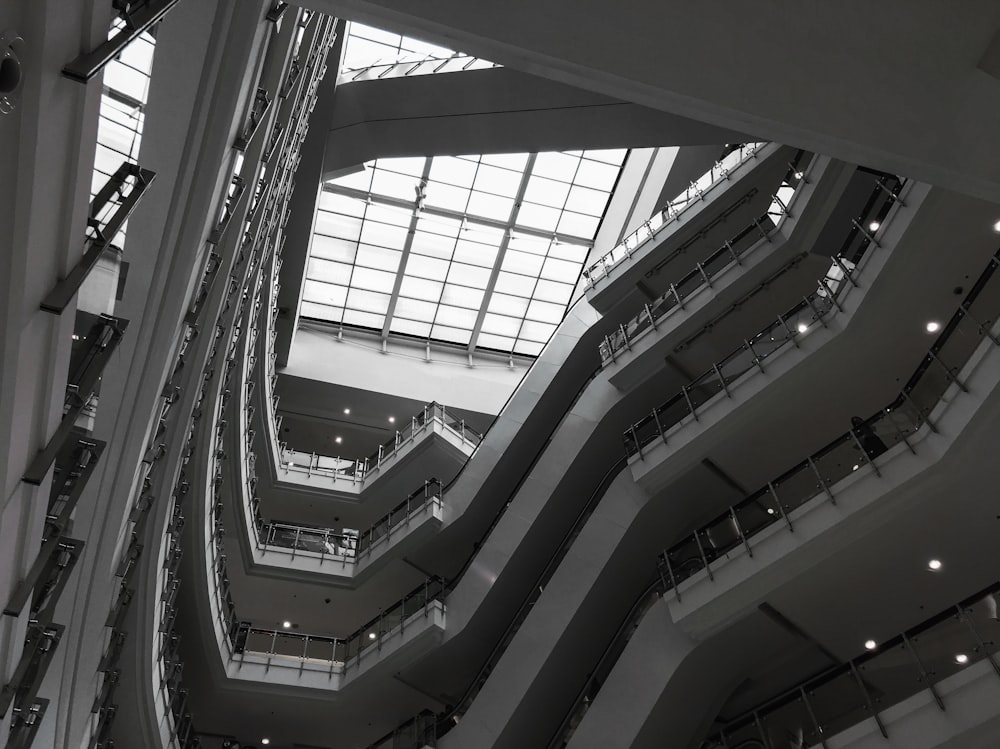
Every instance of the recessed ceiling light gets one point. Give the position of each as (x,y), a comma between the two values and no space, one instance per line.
(870,644)
(347,411)
(392,419)
(856,465)
(265,741)
(798,175)
(372,635)
(961,658)
(996,227)
(934,564)
(770,510)
(873,226)
(338,440)
(933,327)
(286,624)
(803,327)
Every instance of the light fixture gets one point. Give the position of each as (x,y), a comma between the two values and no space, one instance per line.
(873,226)
(870,644)
(286,624)
(855,466)
(372,635)
(934,565)
(347,412)
(265,741)
(961,659)
(770,510)
(76,337)
(803,327)
(933,327)
(338,440)
(798,175)
(392,419)
(996,227)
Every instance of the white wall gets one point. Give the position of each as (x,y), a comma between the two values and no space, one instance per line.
(355,360)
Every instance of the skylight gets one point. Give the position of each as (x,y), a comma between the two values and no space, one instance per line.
(367,45)
(481,251)
(119,130)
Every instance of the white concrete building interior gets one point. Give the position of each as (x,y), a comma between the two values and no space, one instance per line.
(392,375)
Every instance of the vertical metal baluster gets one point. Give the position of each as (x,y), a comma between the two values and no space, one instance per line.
(868,700)
(687,397)
(948,372)
(781,510)
(864,452)
(963,615)
(812,717)
(677,296)
(926,417)
(722,380)
(761,732)
(817,315)
(822,481)
(739,530)
(924,676)
(649,315)
(792,336)
(704,559)
(673,579)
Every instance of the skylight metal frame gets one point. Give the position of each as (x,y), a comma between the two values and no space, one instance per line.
(494,284)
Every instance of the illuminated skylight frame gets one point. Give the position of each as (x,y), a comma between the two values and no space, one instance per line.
(480,251)
(122,114)
(367,45)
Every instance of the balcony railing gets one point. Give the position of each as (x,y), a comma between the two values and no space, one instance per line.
(816,709)
(672,211)
(312,464)
(729,254)
(866,440)
(343,652)
(804,317)
(326,543)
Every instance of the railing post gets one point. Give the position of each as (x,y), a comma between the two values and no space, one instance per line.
(732,253)
(832,296)
(926,417)
(761,732)
(980,645)
(739,530)
(687,397)
(948,372)
(864,231)
(722,380)
(822,481)
(868,700)
(704,558)
(649,315)
(843,269)
(924,676)
(792,336)
(812,717)
(864,452)
(625,340)
(756,359)
(659,426)
(816,313)
(781,510)
(635,440)
(673,579)
(677,296)
(704,275)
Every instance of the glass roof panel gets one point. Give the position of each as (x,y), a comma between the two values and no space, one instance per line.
(479,250)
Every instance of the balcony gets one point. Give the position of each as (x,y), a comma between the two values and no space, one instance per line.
(725,190)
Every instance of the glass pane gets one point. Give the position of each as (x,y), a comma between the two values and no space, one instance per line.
(838,704)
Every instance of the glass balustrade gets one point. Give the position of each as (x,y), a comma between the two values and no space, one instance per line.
(729,254)
(312,464)
(787,328)
(346,546)
(697,191)
(345,652)
(818,708)
(866,440)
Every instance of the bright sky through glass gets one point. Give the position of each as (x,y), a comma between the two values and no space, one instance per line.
(482,251)
(367,45)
